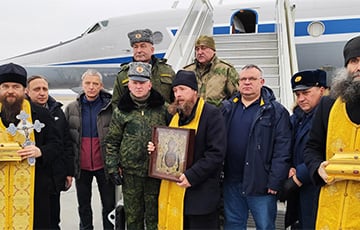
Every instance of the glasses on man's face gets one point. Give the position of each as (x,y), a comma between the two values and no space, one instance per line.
(250,79)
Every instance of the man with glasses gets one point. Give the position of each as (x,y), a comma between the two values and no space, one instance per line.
(258,152)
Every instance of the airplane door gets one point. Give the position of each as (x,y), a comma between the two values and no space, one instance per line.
(244,21)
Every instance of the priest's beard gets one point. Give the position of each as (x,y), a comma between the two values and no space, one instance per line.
(346,87)
(183,110)
(9,111)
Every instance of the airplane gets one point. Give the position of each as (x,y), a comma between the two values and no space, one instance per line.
(321,29)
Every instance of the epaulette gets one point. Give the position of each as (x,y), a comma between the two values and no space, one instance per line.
(125,63)
(165,75)
(124,66)
(125,81)
(188,65)
(226,63)
(162,60)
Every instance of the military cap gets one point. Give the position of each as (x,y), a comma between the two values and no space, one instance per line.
(139,71)
(306,79)
(185,77)
(141,36)
(207,41)
(351,49)
(13,73)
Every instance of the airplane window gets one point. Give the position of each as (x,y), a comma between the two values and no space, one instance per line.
(96,27)
(157,37)
(316,28)
(104,23)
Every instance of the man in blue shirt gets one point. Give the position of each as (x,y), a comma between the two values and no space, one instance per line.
(258,154)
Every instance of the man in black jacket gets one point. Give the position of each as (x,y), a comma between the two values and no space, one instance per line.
(198,187)
(62,168)
(44,148)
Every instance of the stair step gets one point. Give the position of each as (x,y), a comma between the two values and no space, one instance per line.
(240,51)
(258,60)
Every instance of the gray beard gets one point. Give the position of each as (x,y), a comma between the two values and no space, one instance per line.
(345,87)
(352,93)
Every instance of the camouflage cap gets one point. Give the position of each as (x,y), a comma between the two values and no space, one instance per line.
(141,36)
(207,41)
(139,71)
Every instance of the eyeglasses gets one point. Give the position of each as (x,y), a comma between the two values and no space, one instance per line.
(250,79)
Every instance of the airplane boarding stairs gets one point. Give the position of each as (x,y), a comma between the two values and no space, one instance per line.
(260,49)
(250,48)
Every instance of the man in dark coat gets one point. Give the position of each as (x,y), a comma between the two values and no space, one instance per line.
(45,150)
(258,154)
(200,182)
(335,132)
(308,86)
(62,169)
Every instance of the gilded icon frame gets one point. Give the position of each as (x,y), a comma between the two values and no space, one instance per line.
(174,149)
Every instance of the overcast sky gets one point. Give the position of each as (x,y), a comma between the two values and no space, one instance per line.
(28,25)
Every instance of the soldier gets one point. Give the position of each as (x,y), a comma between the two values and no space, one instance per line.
(139,109)
(217,80)
(143,51)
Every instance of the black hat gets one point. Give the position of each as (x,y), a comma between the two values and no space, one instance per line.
(141,36)
(352,49)
(139,71)
(185,77)
(13,73)
(306,79)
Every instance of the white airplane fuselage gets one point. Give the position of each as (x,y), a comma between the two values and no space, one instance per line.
(105,45)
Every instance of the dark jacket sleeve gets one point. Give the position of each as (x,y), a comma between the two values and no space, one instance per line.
(280,162)
(203,196)
(48,139)
(315,148)
(68,156)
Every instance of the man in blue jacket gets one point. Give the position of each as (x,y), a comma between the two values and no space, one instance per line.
(89,118)
(258,153)
(309,86)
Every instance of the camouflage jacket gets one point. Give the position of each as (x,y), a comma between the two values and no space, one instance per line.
(162,76)
(129,132)
(218,80)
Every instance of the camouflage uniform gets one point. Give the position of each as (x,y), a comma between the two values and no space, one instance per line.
(126,143)
(217,80)
(161,78)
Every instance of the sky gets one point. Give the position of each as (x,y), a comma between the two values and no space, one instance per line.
(34,24)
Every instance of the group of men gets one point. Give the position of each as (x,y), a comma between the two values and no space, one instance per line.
(240,128)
